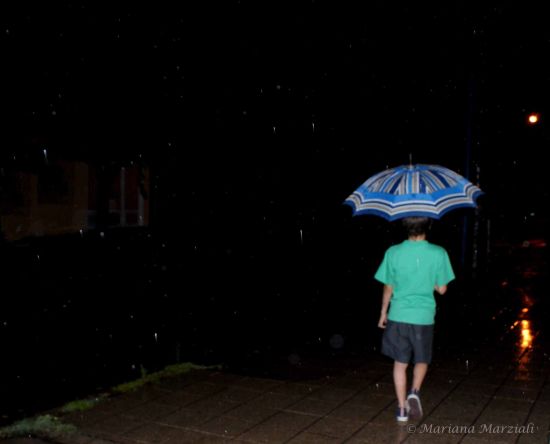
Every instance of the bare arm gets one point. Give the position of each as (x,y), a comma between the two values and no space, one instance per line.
(386,297)
(442,289)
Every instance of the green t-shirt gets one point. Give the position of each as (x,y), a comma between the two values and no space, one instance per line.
(413,269)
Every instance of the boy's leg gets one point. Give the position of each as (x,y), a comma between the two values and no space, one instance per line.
(400,382)
(419,373)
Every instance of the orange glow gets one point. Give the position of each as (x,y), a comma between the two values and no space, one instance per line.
(526,337)
(533,118)
(524,310)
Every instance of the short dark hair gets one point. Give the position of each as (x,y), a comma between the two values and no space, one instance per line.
(416,225)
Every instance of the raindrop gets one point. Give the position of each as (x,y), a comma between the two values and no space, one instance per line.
(156,337)
(81,232)
(102,234)
(377,386)
(274,130)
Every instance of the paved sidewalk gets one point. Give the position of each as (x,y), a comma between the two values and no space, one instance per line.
(497,397)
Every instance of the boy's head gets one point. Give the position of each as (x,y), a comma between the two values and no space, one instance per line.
(417,226)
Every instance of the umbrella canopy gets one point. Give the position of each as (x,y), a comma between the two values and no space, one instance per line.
(413,190)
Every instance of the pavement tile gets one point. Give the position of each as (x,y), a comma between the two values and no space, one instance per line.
(278,428)
(378,401)
(354,412)
(149,411)
(380,434)
(189,436)
(442,380)
(454,413)
(330,393)
(152,433)
(213,406)
(253,413)
(351,382)
(295,389)
(73,438)
(335,428)
(203,388)
(179,398)
(434,438)
(541,420)
(226,426)
(545,394)
(275,400)
(521,405)
(477,388)
(238,394)
(526,382)
(502,417)
(489,377)
(259,384)
(475,439)
(516,393)
(380,388)
(182,418)
(371,374)
(539,437)
(312,438)
(112,426)
(312,406)
(386,417)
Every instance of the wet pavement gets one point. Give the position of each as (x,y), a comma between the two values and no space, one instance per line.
(337,400)
(489,382)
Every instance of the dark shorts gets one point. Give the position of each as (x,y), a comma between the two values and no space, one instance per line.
(402,341)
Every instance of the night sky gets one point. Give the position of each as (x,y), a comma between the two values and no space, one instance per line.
(264,102)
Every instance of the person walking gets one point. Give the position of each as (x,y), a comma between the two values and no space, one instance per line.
(411,271)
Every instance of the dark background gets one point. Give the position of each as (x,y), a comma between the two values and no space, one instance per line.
(256,122)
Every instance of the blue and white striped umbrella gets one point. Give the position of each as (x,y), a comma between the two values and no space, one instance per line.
(413,190)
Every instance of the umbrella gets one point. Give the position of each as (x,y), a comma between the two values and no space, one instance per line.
(413,190)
